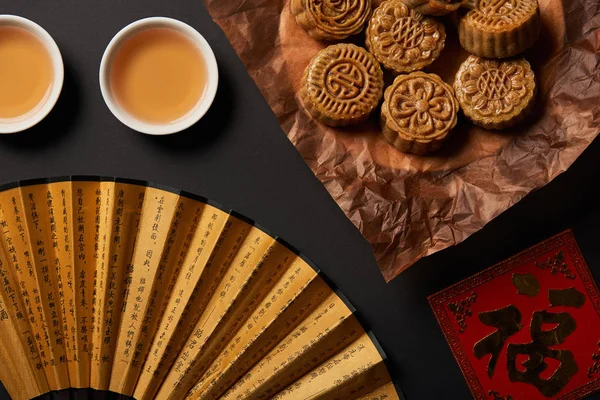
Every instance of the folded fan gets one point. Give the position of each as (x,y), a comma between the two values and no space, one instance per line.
(155,293)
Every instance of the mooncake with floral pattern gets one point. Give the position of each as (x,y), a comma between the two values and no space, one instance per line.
(402,39)
(500,28)
(495,94)
(418,112)
(331,19)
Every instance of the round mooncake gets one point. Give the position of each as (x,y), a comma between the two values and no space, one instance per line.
(500,28)
(342,85)
(402,39)
(434,7)
(495,94)
(418,112)
(331,19)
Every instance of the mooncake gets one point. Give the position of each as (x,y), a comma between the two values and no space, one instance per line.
(434,7)
(331,19)
(500,28)
(402,39)
(418,112)
(495,94)
(342,85)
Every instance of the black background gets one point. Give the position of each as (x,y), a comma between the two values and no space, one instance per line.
(238,156)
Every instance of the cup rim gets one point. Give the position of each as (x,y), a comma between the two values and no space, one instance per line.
(8,126)
(204,102)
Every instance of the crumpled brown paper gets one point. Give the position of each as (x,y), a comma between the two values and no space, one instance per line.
(411,206)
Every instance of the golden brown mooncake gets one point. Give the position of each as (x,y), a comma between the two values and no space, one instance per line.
(495,94)
(402,39)
(434,7)
(331,19)
(418,112)
(500,28)
(342,85)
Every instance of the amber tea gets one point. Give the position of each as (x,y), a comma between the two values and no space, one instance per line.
(26,72)
(158,75)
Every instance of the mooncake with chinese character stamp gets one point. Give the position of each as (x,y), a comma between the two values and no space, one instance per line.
(500,28)
(434,7)
(342,85)
(418,112)
(495,94)
(404,40)
(331,19)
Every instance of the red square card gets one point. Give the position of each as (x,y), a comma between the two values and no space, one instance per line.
(527,328)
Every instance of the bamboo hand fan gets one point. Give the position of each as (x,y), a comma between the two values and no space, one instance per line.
(152,293)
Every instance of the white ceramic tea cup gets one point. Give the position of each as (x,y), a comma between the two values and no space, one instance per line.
(39,112)
(204,102)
